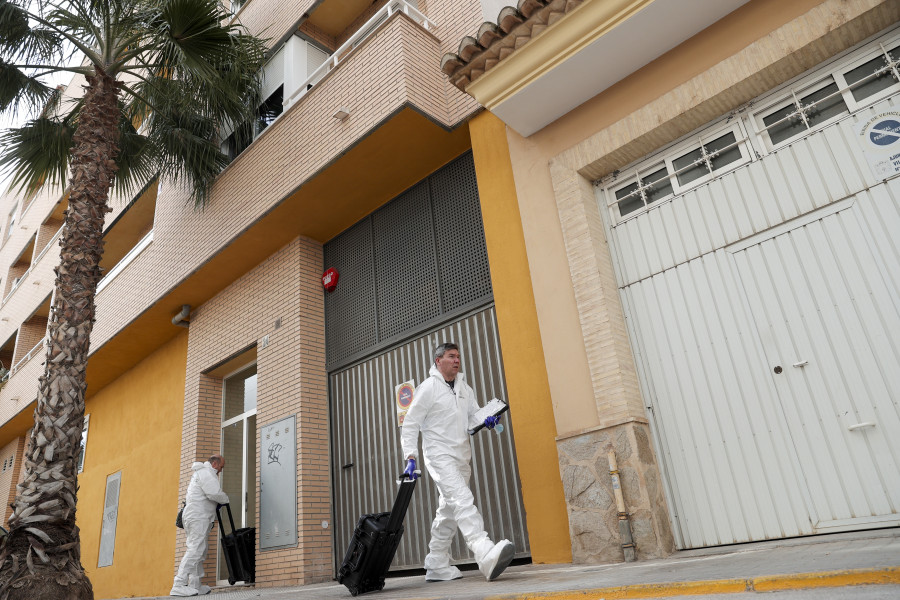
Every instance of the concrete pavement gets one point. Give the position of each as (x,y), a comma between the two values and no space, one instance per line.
(827,561)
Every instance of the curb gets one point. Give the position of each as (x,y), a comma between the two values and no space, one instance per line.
(768,583)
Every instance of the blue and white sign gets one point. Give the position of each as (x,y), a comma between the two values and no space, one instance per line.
(879,137)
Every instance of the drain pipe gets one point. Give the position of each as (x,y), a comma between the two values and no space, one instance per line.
(624,525)
(181,319)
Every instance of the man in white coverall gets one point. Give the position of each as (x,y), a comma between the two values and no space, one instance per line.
(443,409)
(204,494)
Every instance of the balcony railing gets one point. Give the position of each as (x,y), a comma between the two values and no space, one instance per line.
(126,260)
(355,40)
(19,281)
(28,356)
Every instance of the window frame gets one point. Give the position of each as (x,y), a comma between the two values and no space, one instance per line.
(818,79)
(84,440)
(11,222)
(667,157)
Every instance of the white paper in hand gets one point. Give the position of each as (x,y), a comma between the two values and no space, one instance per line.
(494,408)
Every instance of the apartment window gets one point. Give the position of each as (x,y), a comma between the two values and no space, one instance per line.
(6,356)
(270,109)
(11,221)
(84,438)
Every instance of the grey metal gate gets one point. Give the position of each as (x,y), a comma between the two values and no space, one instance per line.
(366,455)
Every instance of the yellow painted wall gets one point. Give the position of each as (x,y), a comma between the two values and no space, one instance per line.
(135,427)
(526,376)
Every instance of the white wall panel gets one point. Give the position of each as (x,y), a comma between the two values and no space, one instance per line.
(722,434)
(764,308)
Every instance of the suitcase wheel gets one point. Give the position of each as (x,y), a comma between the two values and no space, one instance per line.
(354,591)
(232,581)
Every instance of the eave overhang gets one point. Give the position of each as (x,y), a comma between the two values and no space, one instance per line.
(547,58)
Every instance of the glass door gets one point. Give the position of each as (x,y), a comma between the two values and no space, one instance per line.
(239,450)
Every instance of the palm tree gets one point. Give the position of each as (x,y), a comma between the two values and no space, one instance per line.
(161,80)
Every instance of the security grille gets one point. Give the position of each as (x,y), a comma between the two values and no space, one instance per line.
(351,312)
(405,270)
(460,235)
(414,262)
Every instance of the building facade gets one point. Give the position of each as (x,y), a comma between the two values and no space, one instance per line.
(608,204)
(705,215)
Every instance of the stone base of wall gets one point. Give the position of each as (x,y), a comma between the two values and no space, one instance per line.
(593,518)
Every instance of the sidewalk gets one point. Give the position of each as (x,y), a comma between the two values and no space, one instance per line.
(871,557)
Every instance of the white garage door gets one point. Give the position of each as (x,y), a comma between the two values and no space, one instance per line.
(759,267)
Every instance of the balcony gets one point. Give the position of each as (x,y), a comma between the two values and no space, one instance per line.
(308,173)
(299,65)
(362,34)
(390,63)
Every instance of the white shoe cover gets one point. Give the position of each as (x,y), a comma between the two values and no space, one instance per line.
(496,561)
(204,590)
(444,574)
(183,590)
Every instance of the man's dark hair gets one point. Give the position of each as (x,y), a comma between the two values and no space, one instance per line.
(442,348)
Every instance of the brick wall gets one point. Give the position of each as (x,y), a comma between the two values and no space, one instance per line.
(46,231)
(318,36)
(31,332)
(11,461)
(290,381)
(360,21)
(271,19)
(454,20)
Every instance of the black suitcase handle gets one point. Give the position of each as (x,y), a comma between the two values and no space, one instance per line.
(401,503)
(219,517)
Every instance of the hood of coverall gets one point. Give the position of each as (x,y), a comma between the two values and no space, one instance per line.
(199,505)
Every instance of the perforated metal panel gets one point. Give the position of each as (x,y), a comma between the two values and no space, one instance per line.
(461,251)
(406,273)
(351,308)
(418,258)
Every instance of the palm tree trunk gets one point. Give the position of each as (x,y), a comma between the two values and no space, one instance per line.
(42,556)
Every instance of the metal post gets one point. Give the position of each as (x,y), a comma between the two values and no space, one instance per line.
(624,526)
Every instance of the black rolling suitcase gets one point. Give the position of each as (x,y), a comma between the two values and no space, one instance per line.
(239,548)
(374,544)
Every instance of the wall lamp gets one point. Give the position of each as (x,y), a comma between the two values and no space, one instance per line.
(341,113)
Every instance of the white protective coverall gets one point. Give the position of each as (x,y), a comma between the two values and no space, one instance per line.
(444,416)
(204,493)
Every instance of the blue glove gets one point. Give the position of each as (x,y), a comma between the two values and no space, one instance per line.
(491,422)
(411,469)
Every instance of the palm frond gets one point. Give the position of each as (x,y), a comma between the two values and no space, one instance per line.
(37,153)
(18,90)
(136,162)
(187,152)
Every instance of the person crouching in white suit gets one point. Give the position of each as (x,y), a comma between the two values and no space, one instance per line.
(204,494)
(443,410)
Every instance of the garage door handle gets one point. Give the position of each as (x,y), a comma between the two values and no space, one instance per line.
(347,466)
(802,363)
(861,426)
